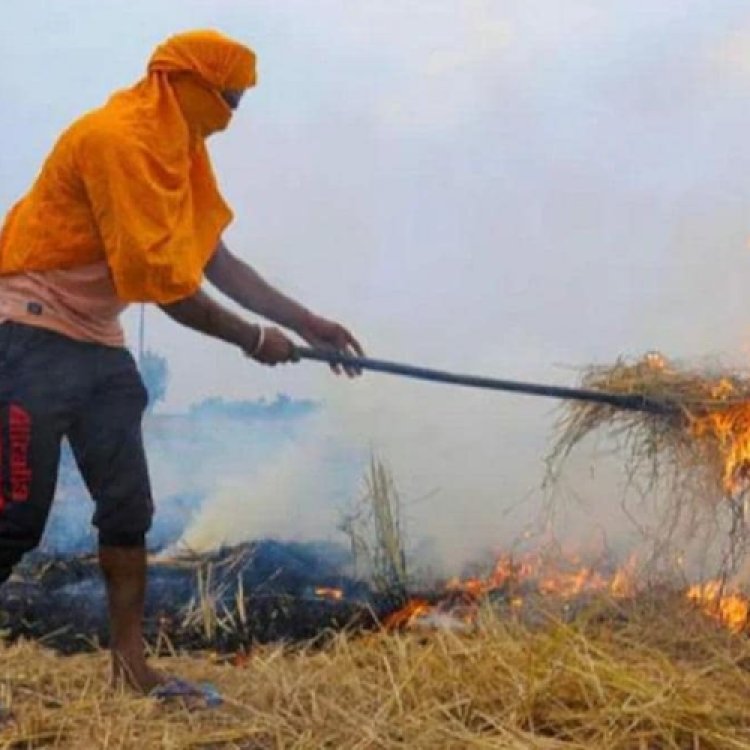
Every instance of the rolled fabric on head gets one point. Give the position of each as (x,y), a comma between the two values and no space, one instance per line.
(219,60)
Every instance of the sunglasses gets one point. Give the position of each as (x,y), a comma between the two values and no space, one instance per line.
(232,97)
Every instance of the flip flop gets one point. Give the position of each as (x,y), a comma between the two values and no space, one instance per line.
(206,694)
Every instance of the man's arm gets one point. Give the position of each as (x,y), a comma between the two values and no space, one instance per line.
(243,284)
(203,314)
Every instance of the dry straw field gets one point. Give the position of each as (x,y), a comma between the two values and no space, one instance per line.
(651,674)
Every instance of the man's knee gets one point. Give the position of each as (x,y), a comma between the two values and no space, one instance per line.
(124,522)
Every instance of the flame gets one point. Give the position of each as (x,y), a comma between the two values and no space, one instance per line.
(514,578)
(327,592)
(732,609)
(568,585)
(407,615)
(729,430)
(505,571)
(547,578)
(563,580)
(623,583)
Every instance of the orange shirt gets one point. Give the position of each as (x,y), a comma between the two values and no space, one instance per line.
(79,302)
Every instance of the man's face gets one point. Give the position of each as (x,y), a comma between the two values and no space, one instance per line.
(207,109)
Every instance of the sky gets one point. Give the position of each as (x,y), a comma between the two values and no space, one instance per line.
(512,187)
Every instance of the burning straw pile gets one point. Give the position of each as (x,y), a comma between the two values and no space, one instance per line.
(694,450)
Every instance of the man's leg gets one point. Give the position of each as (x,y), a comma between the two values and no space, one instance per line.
(37,391)
(124,570)
(29,459)
(108,447)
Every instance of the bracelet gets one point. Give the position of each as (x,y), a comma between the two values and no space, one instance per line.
(259,343)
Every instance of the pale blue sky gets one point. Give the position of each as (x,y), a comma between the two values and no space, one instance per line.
(499,187)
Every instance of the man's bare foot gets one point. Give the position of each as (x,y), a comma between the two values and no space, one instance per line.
(132,670)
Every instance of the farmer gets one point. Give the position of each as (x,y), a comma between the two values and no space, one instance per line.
(125,209)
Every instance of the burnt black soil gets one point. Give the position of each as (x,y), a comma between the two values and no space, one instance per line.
(226,601)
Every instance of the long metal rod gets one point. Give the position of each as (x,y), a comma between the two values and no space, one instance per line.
(629,402)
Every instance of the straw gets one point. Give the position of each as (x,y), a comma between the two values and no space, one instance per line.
(624,678)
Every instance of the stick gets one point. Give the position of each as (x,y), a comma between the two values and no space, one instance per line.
(629,402)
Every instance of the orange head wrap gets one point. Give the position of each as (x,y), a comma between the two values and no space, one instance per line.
(218,60)
(150,204)
(213,63)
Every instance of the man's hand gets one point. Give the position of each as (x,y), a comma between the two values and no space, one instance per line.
(328,335)
(275,347)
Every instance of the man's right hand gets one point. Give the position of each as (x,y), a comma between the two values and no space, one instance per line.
(276,348)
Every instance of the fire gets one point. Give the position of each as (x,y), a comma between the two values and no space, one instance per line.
(730,608)
(729,429)
(408,615)
(622,585)
(327,592)
(515,579)
(505,571)
(565,579)
(568,585)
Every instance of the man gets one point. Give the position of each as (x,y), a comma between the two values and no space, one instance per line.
(125,209)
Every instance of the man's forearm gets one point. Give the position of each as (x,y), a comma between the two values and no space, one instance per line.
(203,314)
(243,284)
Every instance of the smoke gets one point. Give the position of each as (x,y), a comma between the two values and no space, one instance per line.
(466,474)
(222,475)
(296,492)
(466,477)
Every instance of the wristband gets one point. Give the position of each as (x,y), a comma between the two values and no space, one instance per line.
(261,340)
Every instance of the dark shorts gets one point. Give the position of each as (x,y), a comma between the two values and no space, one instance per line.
(53,387)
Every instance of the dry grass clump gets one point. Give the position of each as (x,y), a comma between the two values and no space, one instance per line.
(707,436)
(695,457)
(654,677)
(374,526)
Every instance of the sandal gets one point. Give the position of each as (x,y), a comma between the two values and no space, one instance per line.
(194,695)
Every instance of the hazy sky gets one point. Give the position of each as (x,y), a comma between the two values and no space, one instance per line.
(498,187)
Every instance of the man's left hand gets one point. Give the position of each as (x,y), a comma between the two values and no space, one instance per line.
(328,335)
